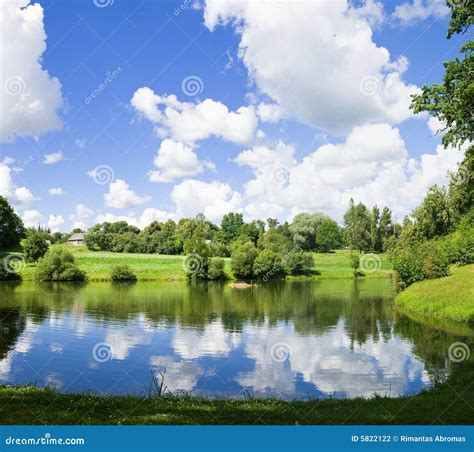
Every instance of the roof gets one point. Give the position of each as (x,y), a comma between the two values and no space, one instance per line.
(76,237)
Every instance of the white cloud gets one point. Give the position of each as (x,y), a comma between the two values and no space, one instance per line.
(176,160)
(148,216)
(54,222)
(436,126)
(213,199)
(410,13)
(32,218)
(30,97)
(120,196)
(54,157)
(188,122)
(270,112)
(81,213)
(81,143)
(318,61)
(56,191)
(18,196)
(372,165)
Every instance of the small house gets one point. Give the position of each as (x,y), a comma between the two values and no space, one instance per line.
(76,239)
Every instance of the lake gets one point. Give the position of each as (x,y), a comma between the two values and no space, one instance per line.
(338,338)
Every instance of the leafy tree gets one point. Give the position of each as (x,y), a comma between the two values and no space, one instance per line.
(354,260)
(230,226)
(304,227)
(276,241)
(35,246)
(357,221)
(252,230)
(268,265)
(461,187)
(272,223)
(452,102)
(375,235)
(328,236)
(58,265)
(298,263)
(386,227)
(122,273)
(11,226)
(216,270)
(243,258)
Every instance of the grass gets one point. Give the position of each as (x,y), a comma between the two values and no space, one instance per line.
(448,403)
(448,299)
(157,267)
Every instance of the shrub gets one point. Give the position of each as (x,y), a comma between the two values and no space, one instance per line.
(298,263)
(243,257)
(216,269)
(7,275)
(35,246)
(354,260)
(58,265)
(122,273)
(268,265)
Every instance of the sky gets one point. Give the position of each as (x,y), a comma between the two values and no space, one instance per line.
(149,110)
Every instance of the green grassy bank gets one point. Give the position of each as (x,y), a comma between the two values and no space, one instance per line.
(154,267)
(449,403)
(445,299)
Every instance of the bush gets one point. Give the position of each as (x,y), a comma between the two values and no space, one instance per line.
(216,269)
(35,246)
(243,257)
(7,275)
(122,273)
(298,263)
(354,260)
(268,265)
(58,265)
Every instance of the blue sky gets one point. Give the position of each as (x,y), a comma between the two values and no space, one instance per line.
(269,108)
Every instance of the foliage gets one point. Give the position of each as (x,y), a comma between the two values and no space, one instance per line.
(122,273)
(354,260)
(35,246)
(328,236)
(357,221)
(268,265)
(298,263)
(11,226)
(216,269)
(230,226)
(304,228)
(276,241)
(7,275)
(243,258)
(58,265)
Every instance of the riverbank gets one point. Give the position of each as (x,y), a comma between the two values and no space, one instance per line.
(448,299)
(449,403)
(157,267)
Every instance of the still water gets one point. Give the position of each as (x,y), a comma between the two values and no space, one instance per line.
(287,340)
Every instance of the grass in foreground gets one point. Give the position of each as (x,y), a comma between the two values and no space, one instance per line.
(157,267)
(450,298)
(449,403)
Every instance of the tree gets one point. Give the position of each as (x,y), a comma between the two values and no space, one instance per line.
(11,226)
(216,270)
(35,246)
(274,240)
(298,263)
(272,223)
(58,265)
(461,187)
(268,265)
(231,225)
(386,227)
(452,102)
(304,227)
(197,256)
(354,260)
(357,221)
(328,236)
(375,236)
(252,230)
(243,257)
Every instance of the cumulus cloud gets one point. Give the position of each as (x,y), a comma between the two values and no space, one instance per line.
(56,191)
(120,196)
(372,165)
(318,62)
(18,196)
(149,215)
(31,97)
(190,122)
(54,157)
(81,213)
(54,222)
(412,12)
(214,199)
(31,218)
(176,160)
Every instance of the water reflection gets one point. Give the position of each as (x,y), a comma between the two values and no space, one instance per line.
(299,339)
